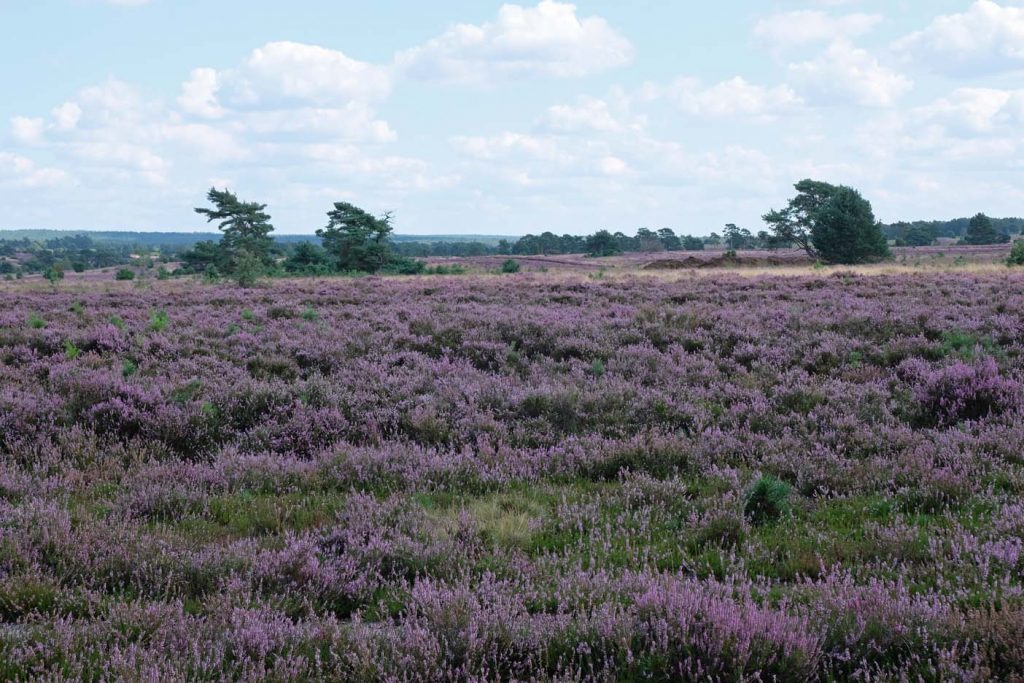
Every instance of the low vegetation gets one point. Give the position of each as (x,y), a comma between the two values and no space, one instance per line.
(514,478)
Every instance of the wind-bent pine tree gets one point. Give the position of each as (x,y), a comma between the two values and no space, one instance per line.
(356,239)
(245,226)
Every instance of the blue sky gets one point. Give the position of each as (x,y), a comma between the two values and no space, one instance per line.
(481,117)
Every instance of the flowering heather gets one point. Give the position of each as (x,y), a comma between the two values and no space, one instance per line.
(525,477)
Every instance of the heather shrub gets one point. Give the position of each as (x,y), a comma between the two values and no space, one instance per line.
(767,500)
(960,391)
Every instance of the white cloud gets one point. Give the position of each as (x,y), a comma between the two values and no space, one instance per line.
(969,126)
(988,37)
(199,94)
(848,73)
(548,40)
(27,129)
(591,114)
(23,172)
(66,116)
(787,29)
(735,97)
(308,73)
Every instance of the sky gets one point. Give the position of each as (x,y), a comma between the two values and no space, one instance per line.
(481,117)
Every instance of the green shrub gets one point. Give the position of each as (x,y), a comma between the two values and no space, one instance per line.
(767,500)
(158,321)
(406,266)
(510,266)
(35,322)
(1016,254)
(71,351)
(124,274)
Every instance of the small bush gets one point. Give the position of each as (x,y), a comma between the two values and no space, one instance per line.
(510,266)
(71,351)
(158,321)
(1016,254)
(125,274)
(35,322)
(767,500)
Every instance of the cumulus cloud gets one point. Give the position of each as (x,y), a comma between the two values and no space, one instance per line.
(845,73)
(548,40)
(735,97)
(591,114)
(23,172)
(787,29)
(988,37)
(968,126)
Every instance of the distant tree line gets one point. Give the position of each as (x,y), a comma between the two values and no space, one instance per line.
(70,253)
(923,233)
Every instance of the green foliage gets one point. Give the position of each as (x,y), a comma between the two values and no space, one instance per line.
(510,266)
(308,259)
(693,243)
(406,266)
(832,223)
(163,274)
(246,226)
(248,269)
(35,322)
(158,321)
(128,368)
(54,274)
(597,368)
(845,230)
(793,225)
(77,307)
(355,239)
(602,243)
(125,274)
(767,500)
(1016,254)
(117,321)
(981,230)
(211,274)
(71,352)
(310,314)
(248,315)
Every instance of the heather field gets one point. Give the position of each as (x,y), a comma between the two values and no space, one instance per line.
(544,476)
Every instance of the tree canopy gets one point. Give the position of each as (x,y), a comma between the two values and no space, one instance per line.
(981,230)
(356,239)
(831,222)
(246,227)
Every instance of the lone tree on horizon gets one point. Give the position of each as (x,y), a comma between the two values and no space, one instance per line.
(245,226)
(356,239)
(833,223)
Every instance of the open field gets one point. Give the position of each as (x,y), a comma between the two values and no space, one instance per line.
(546,476)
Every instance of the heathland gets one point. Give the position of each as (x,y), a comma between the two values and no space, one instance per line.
(779,472)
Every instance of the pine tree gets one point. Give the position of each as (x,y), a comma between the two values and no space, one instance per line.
(246,229)
(357,240)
